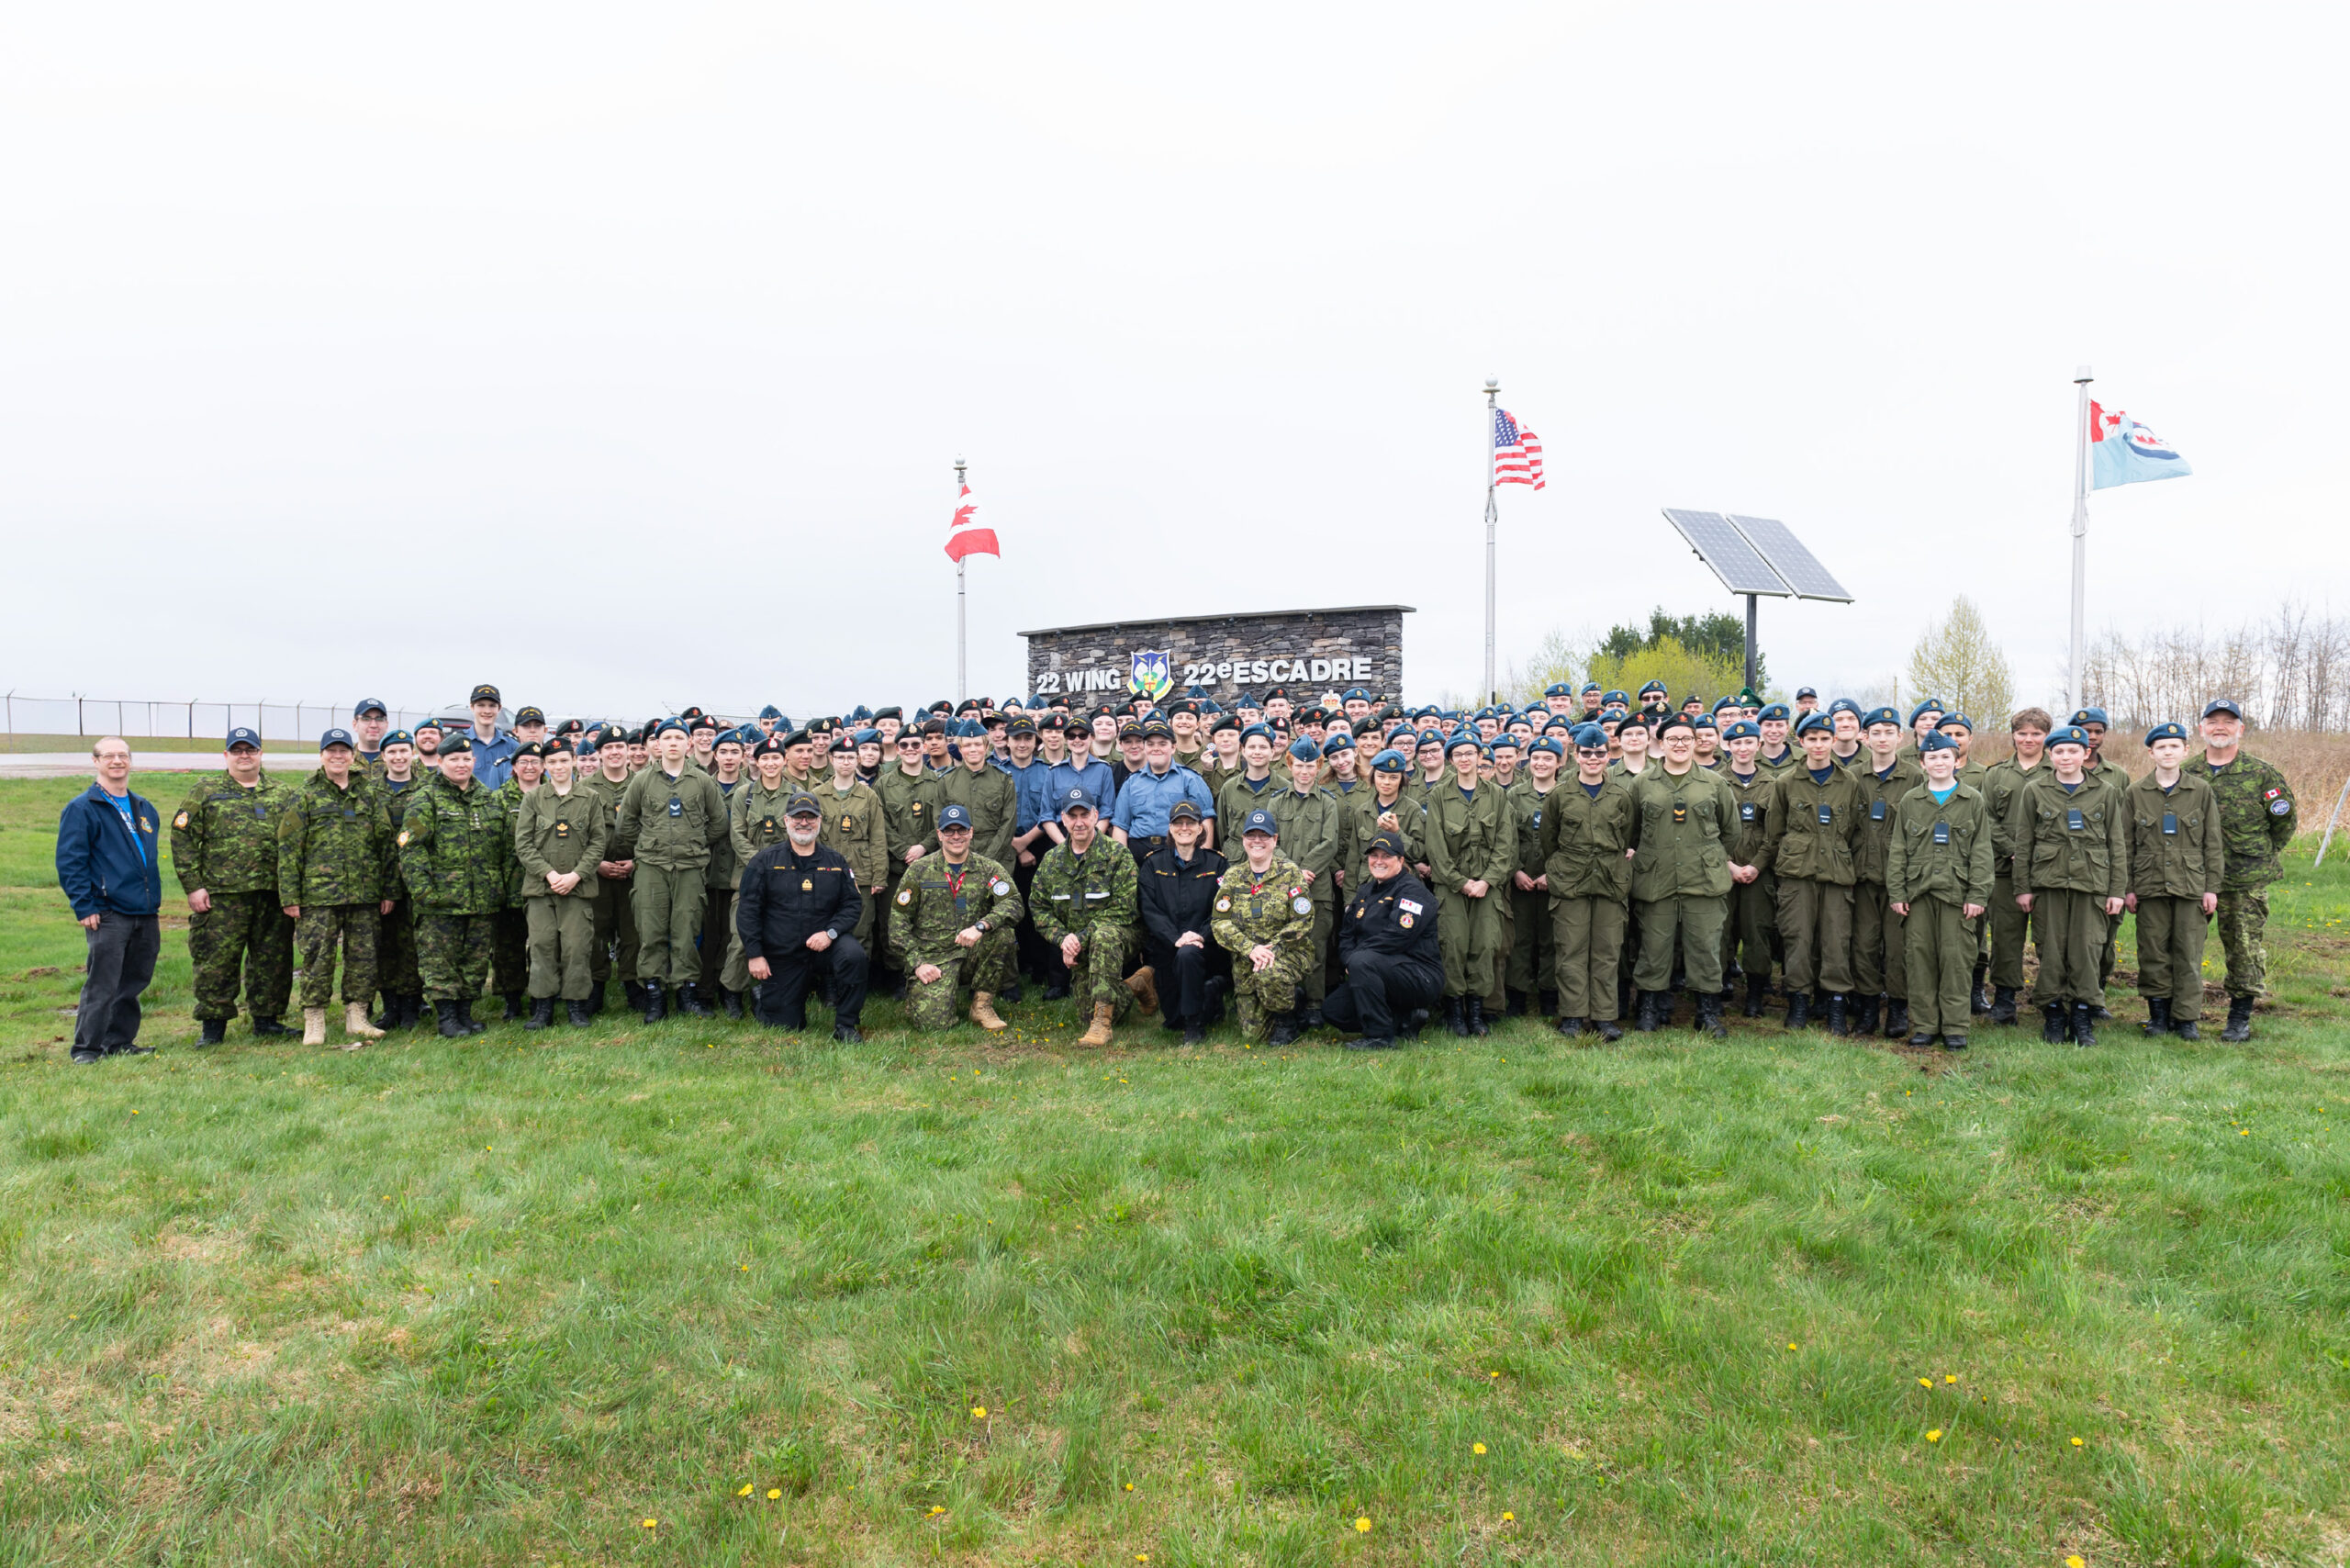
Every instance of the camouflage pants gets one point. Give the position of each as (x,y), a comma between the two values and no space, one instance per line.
(560,931)
(396,953)
(1098,974)
(324,927)
(1880,946)
(1534,942)
(2171,933)
(243,936)
(452,953)
(510,953)
(1258,994)
(2243,918)
(615,933)
(984,968)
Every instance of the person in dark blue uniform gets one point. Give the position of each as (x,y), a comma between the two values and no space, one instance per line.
(797,912)
(1387,941)
(1175,896)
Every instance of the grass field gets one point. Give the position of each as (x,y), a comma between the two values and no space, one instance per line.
(690,1294)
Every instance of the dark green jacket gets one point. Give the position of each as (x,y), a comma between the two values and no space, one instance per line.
(335,846)
(2177,843)
(619,842)
(1584,837)
(456,849)
(993,801)
(1411,821)
(1798,844)
(1471,838)
(1313,834)
(224,836)
(673,823)
(2001,783)
(1940,850)
(909,812)
(1751,796)
(1879,798)
(2053,855)
(1680,826)
(1526,809)
(2256,819)
(754,818)
(560,832)
(924,916)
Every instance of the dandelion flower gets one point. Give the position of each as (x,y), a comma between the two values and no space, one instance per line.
(1476,1448)
(651,1524)
(1925,1383)
(979,1412)
(1950,1377)
(1935,1435)
(1130,1485)
(1508,1518)
(774,1494)
(2076,1443)
(1362,1527)
(2075,1561)
(1492,1375)
(745,1491)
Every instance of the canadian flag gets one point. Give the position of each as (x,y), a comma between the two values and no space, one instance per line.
(966,537)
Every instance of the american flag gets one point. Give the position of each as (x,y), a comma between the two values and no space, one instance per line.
(965,536)
(1517,451)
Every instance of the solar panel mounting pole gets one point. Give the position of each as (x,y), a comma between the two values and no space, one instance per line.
(1749,641)
(962,677)
(2081,379)
(1493,391)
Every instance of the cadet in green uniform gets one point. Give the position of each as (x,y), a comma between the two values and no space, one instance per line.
(984,790)
(1472,850)
(224,850)
(756,819)
(1533,975)
(1815,825)
(509,947)
(1683,821)
(910,803)
(1938,874)
(397,783)
(2072,868)
(1381,806)
(1879,948)
(674,813)
(1264,918)
(1253,786)
(2028,729)
(334,857)
(558,841)
(2256,820)
(720,878)
(1586,869)
(951,923)
(456,847)
(1083,900)
(615,944)
(1776,756)
(1313,836)
(1752,922)
(854,825)
(2178,859)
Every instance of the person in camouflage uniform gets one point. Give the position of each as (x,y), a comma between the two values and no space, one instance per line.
(334,860)
(456,847)
(2257,822)
(1264,918)
(397,781)
(1084,903)
(224,850)
(2177,860)
(951,924)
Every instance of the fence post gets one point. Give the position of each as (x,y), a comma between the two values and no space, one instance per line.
(191,718)
(2329,824)
(79,728)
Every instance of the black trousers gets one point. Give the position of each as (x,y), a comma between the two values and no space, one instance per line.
(1182,974)
(783,996)
(1380,988)
(121,960)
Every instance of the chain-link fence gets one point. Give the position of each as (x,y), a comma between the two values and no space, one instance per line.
(193,719)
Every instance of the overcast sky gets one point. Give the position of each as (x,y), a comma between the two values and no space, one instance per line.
(620,356)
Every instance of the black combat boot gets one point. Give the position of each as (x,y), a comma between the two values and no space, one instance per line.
(268,1026)
(1757,987)
(1309,1015)
(2157,1015)
(579,1012)
(2055,1023)
(1954,1042)
(2239,1019)
(2003,1004)
(390,1019)
(446,1011)
(465,1016)
(1819,1007)
(1610,1030)
(1285,1029)
(515,1006)
(1476,1011)
(1897,1018)
(729,1002)
(690,1003)
(634,991)
(1921,1039)
(1413,1022)
(656,1006)
(1709,1018)
(1456,1016)
(1193,1034)
(1513,1003)
(2185,1029)
(1839,1016)
(213,1032)
(1798,1009)
(1549,1000)
(1570,1027)
(412,1009)
(1977,1002)
(1865,1015)
(542,1012)
(1645,1019)
(2084,1023)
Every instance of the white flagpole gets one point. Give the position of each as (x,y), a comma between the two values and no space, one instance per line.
(1493,390)
(962,669)
(2080,523)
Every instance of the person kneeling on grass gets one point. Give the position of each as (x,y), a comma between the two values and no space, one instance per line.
(1387,939)
(797,911)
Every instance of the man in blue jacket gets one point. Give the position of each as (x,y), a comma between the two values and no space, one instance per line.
(107,847)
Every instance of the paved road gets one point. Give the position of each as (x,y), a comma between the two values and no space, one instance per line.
(54,764)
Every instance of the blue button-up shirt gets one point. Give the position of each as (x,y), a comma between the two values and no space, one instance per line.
(1031,788)
(1091,775)
(493,759)
(1144,803)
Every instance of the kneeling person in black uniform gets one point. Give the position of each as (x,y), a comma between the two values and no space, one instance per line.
(1387,941)
(797,912)
(1175,896)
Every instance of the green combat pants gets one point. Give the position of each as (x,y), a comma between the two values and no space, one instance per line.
(2071,928)
(323,928)
(1099,973)
(986,967)
(1313,984)
(1750,925)
(243,936)
(1534,942)
(2243,919)
(1258,994)
(396,953)
(510,953)
(453,954)
(717,920)
(1816,923)
(1941,966)
(668,920)
(2010,928)
(1590,937)
(1880,954)
(1467,936)
(2171,933)
(615,942)
(561,930)
(1693,926)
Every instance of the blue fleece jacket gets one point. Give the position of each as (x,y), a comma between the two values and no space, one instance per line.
(100,865)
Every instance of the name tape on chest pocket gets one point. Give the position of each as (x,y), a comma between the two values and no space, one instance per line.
(1876,811)
(1826,814)
(677,806)
(1942,832)
(2074,820)
(2170,822)
(1680,812)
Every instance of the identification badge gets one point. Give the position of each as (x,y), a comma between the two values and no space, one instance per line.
(1222,905)
(677,806)
(1826,814)
(907,896)
(180,821)
(2074,820)
(1408,906)
(562,830)
(847,823)
(1404,920)
(999,888)
(1876,811)
(1302,906)
(1746,811)
(1942,832)
(2170,822)
(807,885)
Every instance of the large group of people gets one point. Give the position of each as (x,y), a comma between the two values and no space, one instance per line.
(1304,860)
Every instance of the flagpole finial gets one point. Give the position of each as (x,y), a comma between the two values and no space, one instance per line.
(1492,386)
(2081,374)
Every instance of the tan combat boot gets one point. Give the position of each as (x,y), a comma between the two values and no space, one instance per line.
(314,1025)
(1100,1033)
(356,1030)
(983,1012)
(1143,984)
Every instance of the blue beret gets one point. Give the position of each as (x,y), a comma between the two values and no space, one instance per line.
(1815,720)
(1429,738)
(1589,686)
(1930,705)
(867,737)
(1723,702)
(1876,716)
(2173,731)
(1547,743)
(665,725)
(1390,761)
(1745,729)
(400,737)
(1591,737)
(1655,685)
(1462,738)
(1845,705)
(1338,743)
(1936,741)
(1615,697)
(1961,720)
(1304,749)
(1356,694)
(1262,821)
(1557,688)
(1703,722)
(2092,716)
(1775,711)
(770,711)
(2070,734)
(1263,731)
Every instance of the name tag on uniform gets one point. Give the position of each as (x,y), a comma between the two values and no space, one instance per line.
(1876,811)
(1746,811)
(1942,832)
(1826,814)
(1408,906)
(676,807)
(1102,895)
(2074,820)
(2170,822)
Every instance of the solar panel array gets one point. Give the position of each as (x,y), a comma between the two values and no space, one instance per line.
(1787,556)
(1741,566)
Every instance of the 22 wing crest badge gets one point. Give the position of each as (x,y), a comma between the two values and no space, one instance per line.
(1154,675)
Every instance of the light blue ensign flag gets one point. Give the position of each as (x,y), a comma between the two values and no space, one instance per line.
(2123,451)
